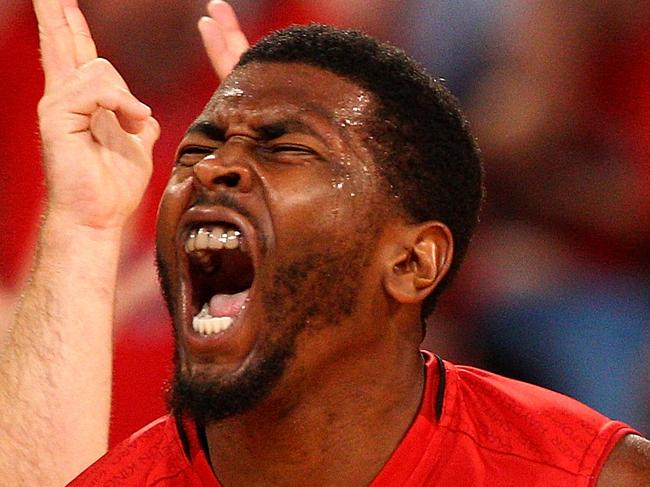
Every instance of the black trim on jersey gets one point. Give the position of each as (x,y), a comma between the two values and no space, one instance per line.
(440,394)
(185,441)
(182,435)
(203,440)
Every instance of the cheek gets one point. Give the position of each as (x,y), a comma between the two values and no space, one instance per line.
(321,216)
(354,175)
(172,205)
(303,203)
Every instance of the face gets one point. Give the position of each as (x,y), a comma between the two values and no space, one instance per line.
(266,236)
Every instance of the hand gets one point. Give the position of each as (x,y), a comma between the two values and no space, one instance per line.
(97,137)
(222,37)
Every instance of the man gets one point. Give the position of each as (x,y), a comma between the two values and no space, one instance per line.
(314,212)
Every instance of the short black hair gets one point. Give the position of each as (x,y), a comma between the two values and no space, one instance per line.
(419,138)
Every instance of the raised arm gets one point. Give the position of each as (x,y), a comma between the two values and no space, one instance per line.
(55,365)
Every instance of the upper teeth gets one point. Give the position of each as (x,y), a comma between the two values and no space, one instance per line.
(212,237)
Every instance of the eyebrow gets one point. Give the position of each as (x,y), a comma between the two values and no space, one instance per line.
(277,129)
(207,129)
(267,131)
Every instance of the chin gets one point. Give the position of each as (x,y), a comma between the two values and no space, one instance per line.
(208,395)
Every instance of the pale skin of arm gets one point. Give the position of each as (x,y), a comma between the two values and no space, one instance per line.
(55,366)
(97,140)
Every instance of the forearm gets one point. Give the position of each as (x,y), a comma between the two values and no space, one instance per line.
(55,367)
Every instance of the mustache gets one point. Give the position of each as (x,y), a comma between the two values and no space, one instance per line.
(226,200)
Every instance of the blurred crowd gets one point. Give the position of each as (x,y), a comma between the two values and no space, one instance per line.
(556,286)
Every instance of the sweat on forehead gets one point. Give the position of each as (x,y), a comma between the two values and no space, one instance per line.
(265,101)
(292,86)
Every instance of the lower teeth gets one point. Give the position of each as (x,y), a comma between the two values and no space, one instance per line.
(206,324)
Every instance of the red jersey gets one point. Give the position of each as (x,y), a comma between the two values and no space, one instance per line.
(473,428)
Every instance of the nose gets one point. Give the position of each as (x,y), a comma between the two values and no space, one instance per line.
(214,173)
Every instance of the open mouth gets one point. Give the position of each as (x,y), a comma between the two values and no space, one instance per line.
(221,273)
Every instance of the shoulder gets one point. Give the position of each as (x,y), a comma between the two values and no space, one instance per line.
(521,400)
(628,465)
(536,425)
(154,449)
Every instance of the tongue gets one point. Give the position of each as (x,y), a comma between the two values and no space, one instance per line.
(227,304)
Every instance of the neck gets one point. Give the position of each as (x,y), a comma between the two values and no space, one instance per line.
(340,430)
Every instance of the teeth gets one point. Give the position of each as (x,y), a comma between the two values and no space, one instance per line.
(232,241)
(206,324)
(190,243)
(213,238)
(213,241)
(211,326)
(201,241)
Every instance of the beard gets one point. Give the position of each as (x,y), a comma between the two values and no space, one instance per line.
(210,399)
(314,291)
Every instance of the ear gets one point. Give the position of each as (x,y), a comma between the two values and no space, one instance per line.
(422,257)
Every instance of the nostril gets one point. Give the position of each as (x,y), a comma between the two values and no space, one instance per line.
(229,180)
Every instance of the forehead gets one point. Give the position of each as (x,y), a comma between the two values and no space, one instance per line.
(268,89)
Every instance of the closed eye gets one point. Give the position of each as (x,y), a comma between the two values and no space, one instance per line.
(188,156)
(297,149)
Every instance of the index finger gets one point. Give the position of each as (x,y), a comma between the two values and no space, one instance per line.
(58,55)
